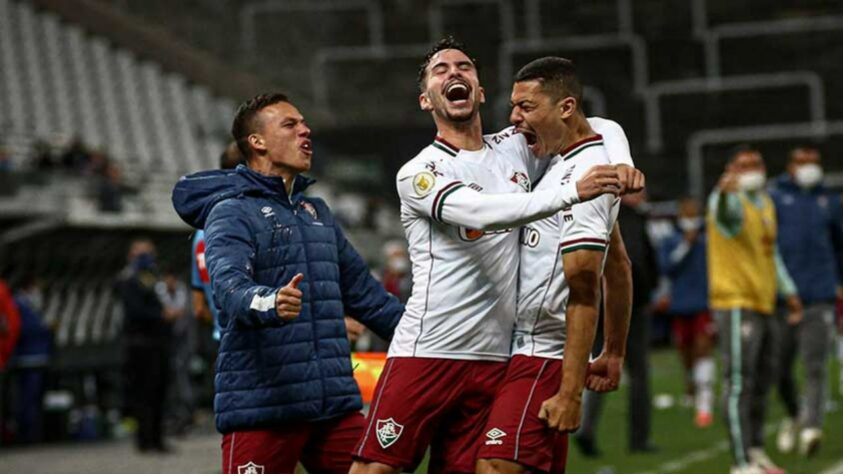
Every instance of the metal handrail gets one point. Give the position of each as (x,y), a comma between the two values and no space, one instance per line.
(809,79)
(700,139)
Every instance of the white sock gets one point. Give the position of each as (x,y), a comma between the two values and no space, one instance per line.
(703,378)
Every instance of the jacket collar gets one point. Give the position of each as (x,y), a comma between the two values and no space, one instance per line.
(274,185)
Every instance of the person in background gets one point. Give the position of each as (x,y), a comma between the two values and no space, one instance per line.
(632,220)
(810,239)
(174,297)
(9,324)
(147,329)
(745,271)
(31,356)
(683,261)
(204,307)
(398,281)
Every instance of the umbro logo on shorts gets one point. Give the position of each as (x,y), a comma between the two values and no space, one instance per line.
(494,436)
(388,432)
(250,468)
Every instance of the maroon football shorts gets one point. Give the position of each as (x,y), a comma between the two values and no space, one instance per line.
(514,431)
(421,402)
(322,446)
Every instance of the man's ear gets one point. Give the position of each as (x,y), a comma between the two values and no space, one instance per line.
(482,95)
(424,102)
(567,107)
(257,142)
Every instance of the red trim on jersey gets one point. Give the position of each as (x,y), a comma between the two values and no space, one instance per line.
(447,144)
(569,148)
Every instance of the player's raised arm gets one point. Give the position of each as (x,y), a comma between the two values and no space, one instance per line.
(452,201)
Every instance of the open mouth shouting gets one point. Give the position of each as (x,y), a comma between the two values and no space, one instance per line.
(457,92)
(532,139)
(306,146)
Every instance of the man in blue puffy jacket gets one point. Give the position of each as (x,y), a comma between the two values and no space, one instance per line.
(810,239)
(283,276)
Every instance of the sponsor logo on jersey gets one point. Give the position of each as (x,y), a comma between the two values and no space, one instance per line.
(423,183)
(267,211)
(566,178)
(530,237)
(522,180)
(250,468)
(493,437)
(310,209)
(388,432)
(470,235)
(431,166)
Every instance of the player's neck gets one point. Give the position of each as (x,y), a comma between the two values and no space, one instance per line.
(267,168)
(465,136)
(578,129)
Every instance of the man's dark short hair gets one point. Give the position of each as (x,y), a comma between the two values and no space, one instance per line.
(740,150)
(245,121)
(445,43)
(557,76)
(231,156)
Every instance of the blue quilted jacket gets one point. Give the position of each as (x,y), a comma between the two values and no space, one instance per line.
(271,372)
(810,238)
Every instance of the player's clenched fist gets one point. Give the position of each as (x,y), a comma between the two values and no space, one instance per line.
(561,412)
(597,181)
(288,299)
(604,374)
(632,179)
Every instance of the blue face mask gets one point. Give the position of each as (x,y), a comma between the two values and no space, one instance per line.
(145,261)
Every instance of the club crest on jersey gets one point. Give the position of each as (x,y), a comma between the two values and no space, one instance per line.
(388,432)
(423,183)
(250,468)
(522,180)
(310,209)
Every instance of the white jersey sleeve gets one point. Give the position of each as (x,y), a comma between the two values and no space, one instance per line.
(432,189)
(614,138)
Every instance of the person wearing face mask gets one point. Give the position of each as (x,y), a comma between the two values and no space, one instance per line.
(810,238)
(682,257)
(147,330)
(745,274)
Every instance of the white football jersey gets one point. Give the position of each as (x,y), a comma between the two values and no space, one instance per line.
(543,289)
(461,211)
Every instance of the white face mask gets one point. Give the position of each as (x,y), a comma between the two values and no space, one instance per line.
(751,181)
(808,176)
(689,224)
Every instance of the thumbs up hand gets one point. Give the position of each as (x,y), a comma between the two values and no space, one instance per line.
(288,299)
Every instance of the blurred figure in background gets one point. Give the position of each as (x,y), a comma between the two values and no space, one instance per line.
(204,307)
(9,325)
(745,272)
(810,239)
(632,220)
(174,297)
(31,356)
(397,280)
(683,261)
(147,334)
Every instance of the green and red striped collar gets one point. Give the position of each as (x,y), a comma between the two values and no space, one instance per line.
(443,145)
(575,148)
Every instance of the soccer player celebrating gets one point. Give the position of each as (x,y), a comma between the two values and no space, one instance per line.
(460,199)
(562,259)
